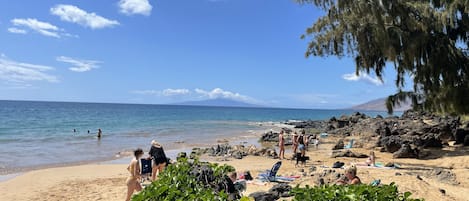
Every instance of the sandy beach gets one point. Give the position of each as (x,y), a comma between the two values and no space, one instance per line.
(107,181)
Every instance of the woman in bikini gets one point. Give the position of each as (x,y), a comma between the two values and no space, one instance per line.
(134,170)
(281,144)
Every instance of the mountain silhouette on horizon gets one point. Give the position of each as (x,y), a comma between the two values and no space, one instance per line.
(218,102)
(380,105)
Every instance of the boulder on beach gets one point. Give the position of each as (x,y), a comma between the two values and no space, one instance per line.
(339,145)
(406,151)
(269,137)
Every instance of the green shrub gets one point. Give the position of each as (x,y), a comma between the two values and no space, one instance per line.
(351,193)
(178,183)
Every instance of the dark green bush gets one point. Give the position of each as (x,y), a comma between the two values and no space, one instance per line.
(351,193)
(178,182)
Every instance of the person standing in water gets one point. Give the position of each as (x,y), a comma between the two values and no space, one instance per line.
(99,133)
(281,144)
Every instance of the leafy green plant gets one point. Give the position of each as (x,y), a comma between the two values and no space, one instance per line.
(181,181)
(351,193)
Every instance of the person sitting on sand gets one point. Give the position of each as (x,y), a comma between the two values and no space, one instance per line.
(351,176)
(159,158)
(370,161)
(281,144)
(134,170)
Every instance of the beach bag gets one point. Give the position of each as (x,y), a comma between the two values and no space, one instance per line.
(247,176)
(338,164)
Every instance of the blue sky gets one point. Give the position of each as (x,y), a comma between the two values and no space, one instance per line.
(166,51)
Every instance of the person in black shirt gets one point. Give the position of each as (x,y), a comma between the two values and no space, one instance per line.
(159,158)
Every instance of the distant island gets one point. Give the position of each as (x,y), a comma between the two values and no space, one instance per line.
(380,105)
(218,102)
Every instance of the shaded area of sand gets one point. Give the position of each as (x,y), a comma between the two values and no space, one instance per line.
(107,181)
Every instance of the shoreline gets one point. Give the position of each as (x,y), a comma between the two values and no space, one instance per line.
(124,157)
(106,181)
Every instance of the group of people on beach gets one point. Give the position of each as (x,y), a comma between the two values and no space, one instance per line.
(159,159)
(299,143)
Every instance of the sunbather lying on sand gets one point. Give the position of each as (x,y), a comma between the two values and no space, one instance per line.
(370,161)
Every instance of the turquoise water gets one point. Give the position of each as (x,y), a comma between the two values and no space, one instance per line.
(36,134)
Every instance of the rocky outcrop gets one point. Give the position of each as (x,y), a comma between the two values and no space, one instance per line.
(281,190)
(349,153)
(419,129)
(236,151)
(406,151)
(339,145)
(269,137)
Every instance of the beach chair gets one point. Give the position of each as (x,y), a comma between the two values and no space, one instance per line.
(145,169)
(350,144)
(271,175)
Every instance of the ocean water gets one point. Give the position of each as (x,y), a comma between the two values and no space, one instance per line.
(35,134)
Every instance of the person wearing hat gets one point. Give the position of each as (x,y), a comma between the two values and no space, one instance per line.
(159,158)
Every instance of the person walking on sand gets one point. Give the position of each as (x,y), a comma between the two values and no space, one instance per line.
(159,158)
(134,170)
(281,144)
(99,133)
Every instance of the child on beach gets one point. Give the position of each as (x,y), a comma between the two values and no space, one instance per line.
(281,144)
(159,158)
(134,170)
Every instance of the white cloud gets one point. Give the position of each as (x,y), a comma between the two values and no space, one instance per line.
(16,30)
(175,92)
(43,28)
(79,65)
(220,93)
(363,76)
(70,13)
(18,73)
(131,7)
(165,92)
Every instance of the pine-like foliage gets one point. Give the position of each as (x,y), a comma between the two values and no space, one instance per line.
(424,39)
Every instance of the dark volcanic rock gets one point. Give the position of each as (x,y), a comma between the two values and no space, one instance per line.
(269,137)
(405,152)
(281,190)
(338,145)
(391,143)
(349,153)
(460,134)
(263,196)
(466,140)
